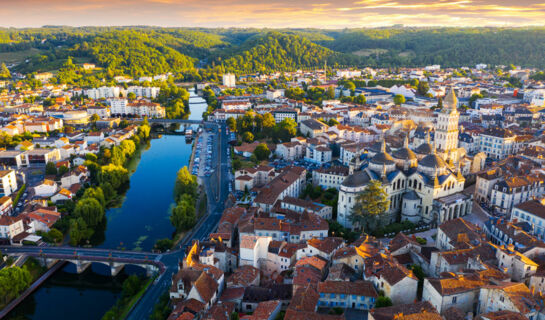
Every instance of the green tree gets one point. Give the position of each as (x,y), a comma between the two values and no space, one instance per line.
(286,130)
(163,244)
(62,170)
(55,235)
(90,210)
(332,122)
(371,205)
(360,99)
(423,88)
(131,96)
(231,124)
(383,302)
(399,99)
(183,215)
(95,193)
(330,93)
(248,137)
(262,152)
(116,176)
(131,286)
(4,72)
(13,281)
(186,183)
(51,169)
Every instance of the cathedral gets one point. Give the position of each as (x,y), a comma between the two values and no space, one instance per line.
(423,186)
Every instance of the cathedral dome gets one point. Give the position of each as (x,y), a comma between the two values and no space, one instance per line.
(404,153)
(382,158)
(425,148)
(356,180)
(432,161)
(376,147)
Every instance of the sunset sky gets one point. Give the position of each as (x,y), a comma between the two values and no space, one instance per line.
(271,13)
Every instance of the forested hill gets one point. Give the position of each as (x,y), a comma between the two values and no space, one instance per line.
(450,47)
(280,52)
(138,51)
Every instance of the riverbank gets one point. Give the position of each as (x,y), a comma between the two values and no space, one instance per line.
(35,284)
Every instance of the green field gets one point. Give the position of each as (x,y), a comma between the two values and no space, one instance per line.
(17,57)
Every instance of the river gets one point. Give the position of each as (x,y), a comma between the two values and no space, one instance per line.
(142,218)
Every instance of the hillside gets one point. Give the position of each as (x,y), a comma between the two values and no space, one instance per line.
(280,52)
(150,50)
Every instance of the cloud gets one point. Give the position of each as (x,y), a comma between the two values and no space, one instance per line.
(272,13)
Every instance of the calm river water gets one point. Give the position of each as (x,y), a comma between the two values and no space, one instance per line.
(135,225)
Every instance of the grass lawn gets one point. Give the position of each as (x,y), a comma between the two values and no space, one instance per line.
(34,267)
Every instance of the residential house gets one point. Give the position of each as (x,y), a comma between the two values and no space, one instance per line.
(359,294)
(8,182)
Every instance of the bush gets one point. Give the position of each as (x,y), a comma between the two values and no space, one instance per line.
(422,241)
(163,244)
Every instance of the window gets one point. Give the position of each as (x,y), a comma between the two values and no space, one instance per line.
(453,300)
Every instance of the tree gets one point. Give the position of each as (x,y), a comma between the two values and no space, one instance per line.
(330,93)
(94,118)
(423,88)
(62,170)
(183,215)
(95,193)
(55,235)
(51,169)
(383,302)
(262,152)
(116,176)
(131,96)
(371,204)
(90,210)
(186,183)
(350,86)
(286,130)
(399,99)
(332,122)
(164,244)
(4,72)
(131,286)
(248,137)
(231,124)
(360,99)
(13,281)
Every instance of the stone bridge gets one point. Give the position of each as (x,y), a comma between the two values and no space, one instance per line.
(82,258)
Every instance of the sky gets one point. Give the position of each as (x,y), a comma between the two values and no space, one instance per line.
(331,14)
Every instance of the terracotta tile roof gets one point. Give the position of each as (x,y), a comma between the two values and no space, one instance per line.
(393,273)
(306,275)
(359,287)
(305,298)
(501,315)
(453,228)
(393,312)
(317,262)
(206,286)
(401,240)
(243,276)
(220,311)
(271,192)
(265,309)
(327,245)
(458,284)
(307,315)
(230,294)
(344,253)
